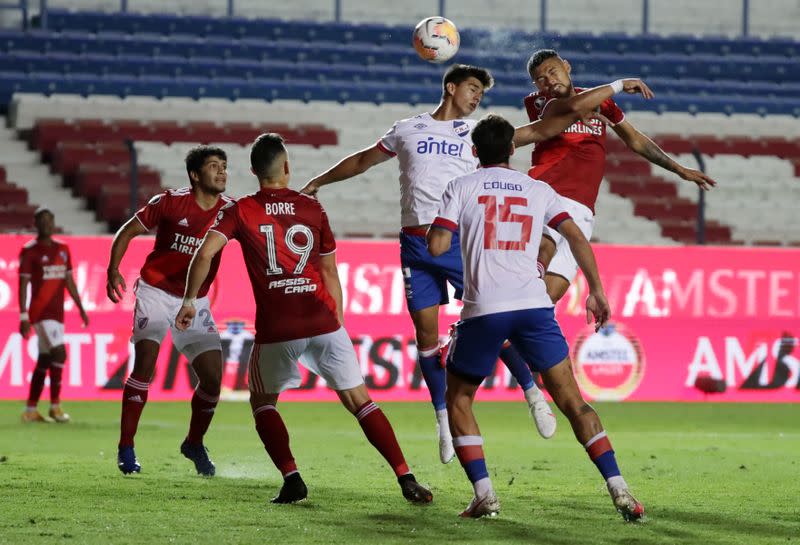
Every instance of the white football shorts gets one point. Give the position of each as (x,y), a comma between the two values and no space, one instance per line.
(155,313)
(563,263)
(273,366)
(50,334)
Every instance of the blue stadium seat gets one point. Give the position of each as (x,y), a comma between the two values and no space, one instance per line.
(171,55)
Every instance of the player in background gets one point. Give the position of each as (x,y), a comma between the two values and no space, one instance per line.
(46,266)
(499,214)
(289,252)
(181,218)
(432,148)
(573,162)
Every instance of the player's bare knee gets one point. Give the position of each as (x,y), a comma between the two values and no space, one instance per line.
(354,398)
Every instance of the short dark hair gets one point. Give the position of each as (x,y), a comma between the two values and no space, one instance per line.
(492,137)
(263,153)
(197,156)
(539,57)
(459,73)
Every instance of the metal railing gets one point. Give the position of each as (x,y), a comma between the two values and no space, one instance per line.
(700,230)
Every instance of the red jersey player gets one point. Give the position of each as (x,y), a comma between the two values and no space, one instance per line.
(289,251)
(181,218)
(46,266)
(574,161)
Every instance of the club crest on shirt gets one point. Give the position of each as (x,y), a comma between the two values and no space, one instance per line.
(539,102)
(63,255)
(461,128)
(142,323)
(45,259)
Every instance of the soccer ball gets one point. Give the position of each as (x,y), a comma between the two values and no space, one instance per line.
(436,39)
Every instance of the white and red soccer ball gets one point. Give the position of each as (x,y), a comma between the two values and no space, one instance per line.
(436,39)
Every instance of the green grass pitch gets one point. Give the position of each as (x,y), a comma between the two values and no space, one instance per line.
(707,473)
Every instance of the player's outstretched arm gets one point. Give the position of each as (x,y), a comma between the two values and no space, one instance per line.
(644,146)
(596,303)
(330,279)
(561,113)
(24,320)
(73,292)
(350,166)
(115,283)
(439,240)
(196,275)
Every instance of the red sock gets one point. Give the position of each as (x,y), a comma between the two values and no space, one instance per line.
(380,433)
(37,385)
(203,406)
(134,396)
(273,434)
(56,370)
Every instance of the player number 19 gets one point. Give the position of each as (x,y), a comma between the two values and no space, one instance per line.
(302,250)
(492,214)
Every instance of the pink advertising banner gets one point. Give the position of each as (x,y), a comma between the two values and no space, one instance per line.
(730,316)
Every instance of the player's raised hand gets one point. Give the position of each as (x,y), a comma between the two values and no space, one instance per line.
(24,328)
(185,317)
(634,86)
(115,286)
(691,175)
(597,308)
(310,189)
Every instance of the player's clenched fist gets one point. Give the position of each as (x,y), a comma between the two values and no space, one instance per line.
(633,86)
(185,317)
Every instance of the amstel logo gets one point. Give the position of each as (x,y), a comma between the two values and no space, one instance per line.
(609,364)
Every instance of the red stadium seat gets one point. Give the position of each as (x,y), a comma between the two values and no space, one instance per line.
(68,157)
(10,194)
(674,143)
(711,145)
(133,130)
(168,132)
(318,135)
(91,178)
(205,132)
(785,149)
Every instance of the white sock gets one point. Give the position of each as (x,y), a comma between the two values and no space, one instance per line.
(483,487)
(533,394)
(444,423)
(616,483)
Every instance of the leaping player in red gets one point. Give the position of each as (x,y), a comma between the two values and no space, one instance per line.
(574,161)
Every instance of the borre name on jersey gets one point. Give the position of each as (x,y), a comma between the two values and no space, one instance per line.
(431,153)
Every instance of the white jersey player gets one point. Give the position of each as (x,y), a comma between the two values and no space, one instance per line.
(432,148)
(499,214)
